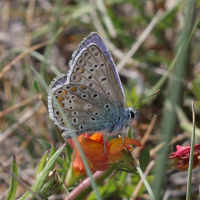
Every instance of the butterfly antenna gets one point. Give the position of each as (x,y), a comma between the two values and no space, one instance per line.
(156,92)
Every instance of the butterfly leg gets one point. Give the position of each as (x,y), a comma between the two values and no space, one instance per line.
(135,134)
(66,134)
(123,135)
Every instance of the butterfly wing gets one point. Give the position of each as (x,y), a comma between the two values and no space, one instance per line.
(96,39)
(92,69)
(85,108)
(92,81)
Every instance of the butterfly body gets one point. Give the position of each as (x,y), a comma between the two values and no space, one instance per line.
(91,94)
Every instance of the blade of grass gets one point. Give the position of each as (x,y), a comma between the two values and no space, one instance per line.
(140,183)
(174,95)
(151,194)
(13,182)
(189,180)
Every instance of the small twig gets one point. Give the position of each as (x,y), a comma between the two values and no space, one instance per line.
(146,135)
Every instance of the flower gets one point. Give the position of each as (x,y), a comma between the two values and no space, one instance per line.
(180,158)
(93,148)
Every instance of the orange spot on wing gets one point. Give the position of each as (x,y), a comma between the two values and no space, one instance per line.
(61,104)
(83,87)
(73,89)
(78,79)
(60,98)
(64,92)
(81,70)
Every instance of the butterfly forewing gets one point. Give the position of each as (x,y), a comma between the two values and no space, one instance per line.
(94,38)
(93,70)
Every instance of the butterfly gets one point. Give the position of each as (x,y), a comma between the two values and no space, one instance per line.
(91,93)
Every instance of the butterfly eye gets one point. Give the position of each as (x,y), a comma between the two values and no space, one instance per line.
(132,114)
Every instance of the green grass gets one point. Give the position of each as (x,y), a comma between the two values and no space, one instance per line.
(167,59)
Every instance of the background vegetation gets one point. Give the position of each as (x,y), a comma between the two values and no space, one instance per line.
(154,43)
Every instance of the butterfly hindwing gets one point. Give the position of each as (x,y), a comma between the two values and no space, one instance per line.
(85,109)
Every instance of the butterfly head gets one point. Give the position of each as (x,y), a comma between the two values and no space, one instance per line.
(132,114)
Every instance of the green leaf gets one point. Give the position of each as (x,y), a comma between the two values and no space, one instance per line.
(42,163)
(53,150)
(144,158)
(13,182)
(46,187)
(37,86)
(65,170)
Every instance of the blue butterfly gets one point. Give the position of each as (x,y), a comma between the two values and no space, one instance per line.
(91,94)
